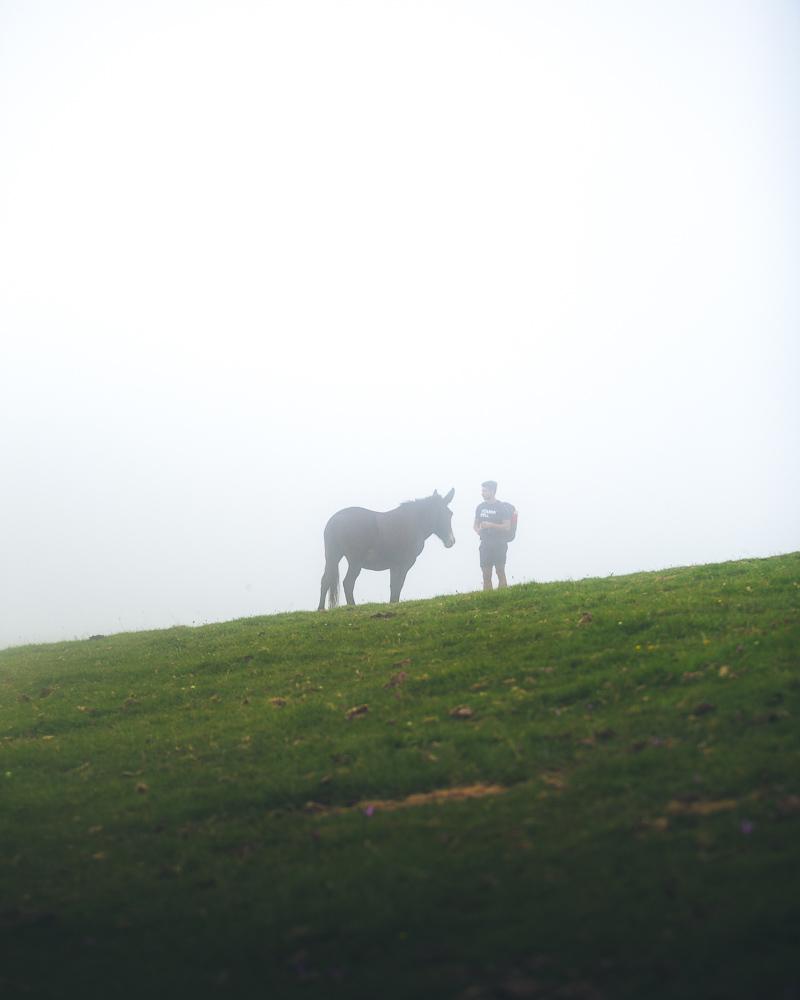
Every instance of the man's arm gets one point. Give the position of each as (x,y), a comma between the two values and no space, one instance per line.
(502,526)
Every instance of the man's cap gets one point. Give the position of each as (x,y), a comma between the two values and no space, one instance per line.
(490,484)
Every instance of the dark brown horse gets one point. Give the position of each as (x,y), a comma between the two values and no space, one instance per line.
(382,540)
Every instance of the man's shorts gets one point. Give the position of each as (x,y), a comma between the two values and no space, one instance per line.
(493,554)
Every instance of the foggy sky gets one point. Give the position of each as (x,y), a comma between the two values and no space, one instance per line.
(261,261)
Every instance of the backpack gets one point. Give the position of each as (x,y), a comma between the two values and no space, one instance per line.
(512,531)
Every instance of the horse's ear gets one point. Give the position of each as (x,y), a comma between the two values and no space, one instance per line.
(449,496)
(436,493)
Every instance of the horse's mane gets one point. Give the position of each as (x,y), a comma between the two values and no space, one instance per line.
(410,503)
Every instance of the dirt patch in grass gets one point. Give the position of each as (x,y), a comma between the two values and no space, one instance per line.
(435,797)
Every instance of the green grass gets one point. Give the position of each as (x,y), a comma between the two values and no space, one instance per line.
(182,812)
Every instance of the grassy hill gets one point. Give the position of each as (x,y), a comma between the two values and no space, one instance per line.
(577,790)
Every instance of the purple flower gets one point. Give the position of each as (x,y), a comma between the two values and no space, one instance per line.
(369,810)
(747,826)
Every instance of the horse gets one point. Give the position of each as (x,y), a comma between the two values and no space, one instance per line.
(380,540)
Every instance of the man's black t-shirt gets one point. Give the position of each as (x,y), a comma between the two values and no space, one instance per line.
(494,512)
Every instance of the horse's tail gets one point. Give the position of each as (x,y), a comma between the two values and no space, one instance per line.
(333,586)
(330,576)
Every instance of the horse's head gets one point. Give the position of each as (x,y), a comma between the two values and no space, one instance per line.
(442,517)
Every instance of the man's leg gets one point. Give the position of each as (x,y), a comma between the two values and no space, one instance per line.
(500,565)
(486,565)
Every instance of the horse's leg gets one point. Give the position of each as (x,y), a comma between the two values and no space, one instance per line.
(350,577)
(397,577)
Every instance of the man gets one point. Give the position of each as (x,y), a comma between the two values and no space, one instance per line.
(493,524)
